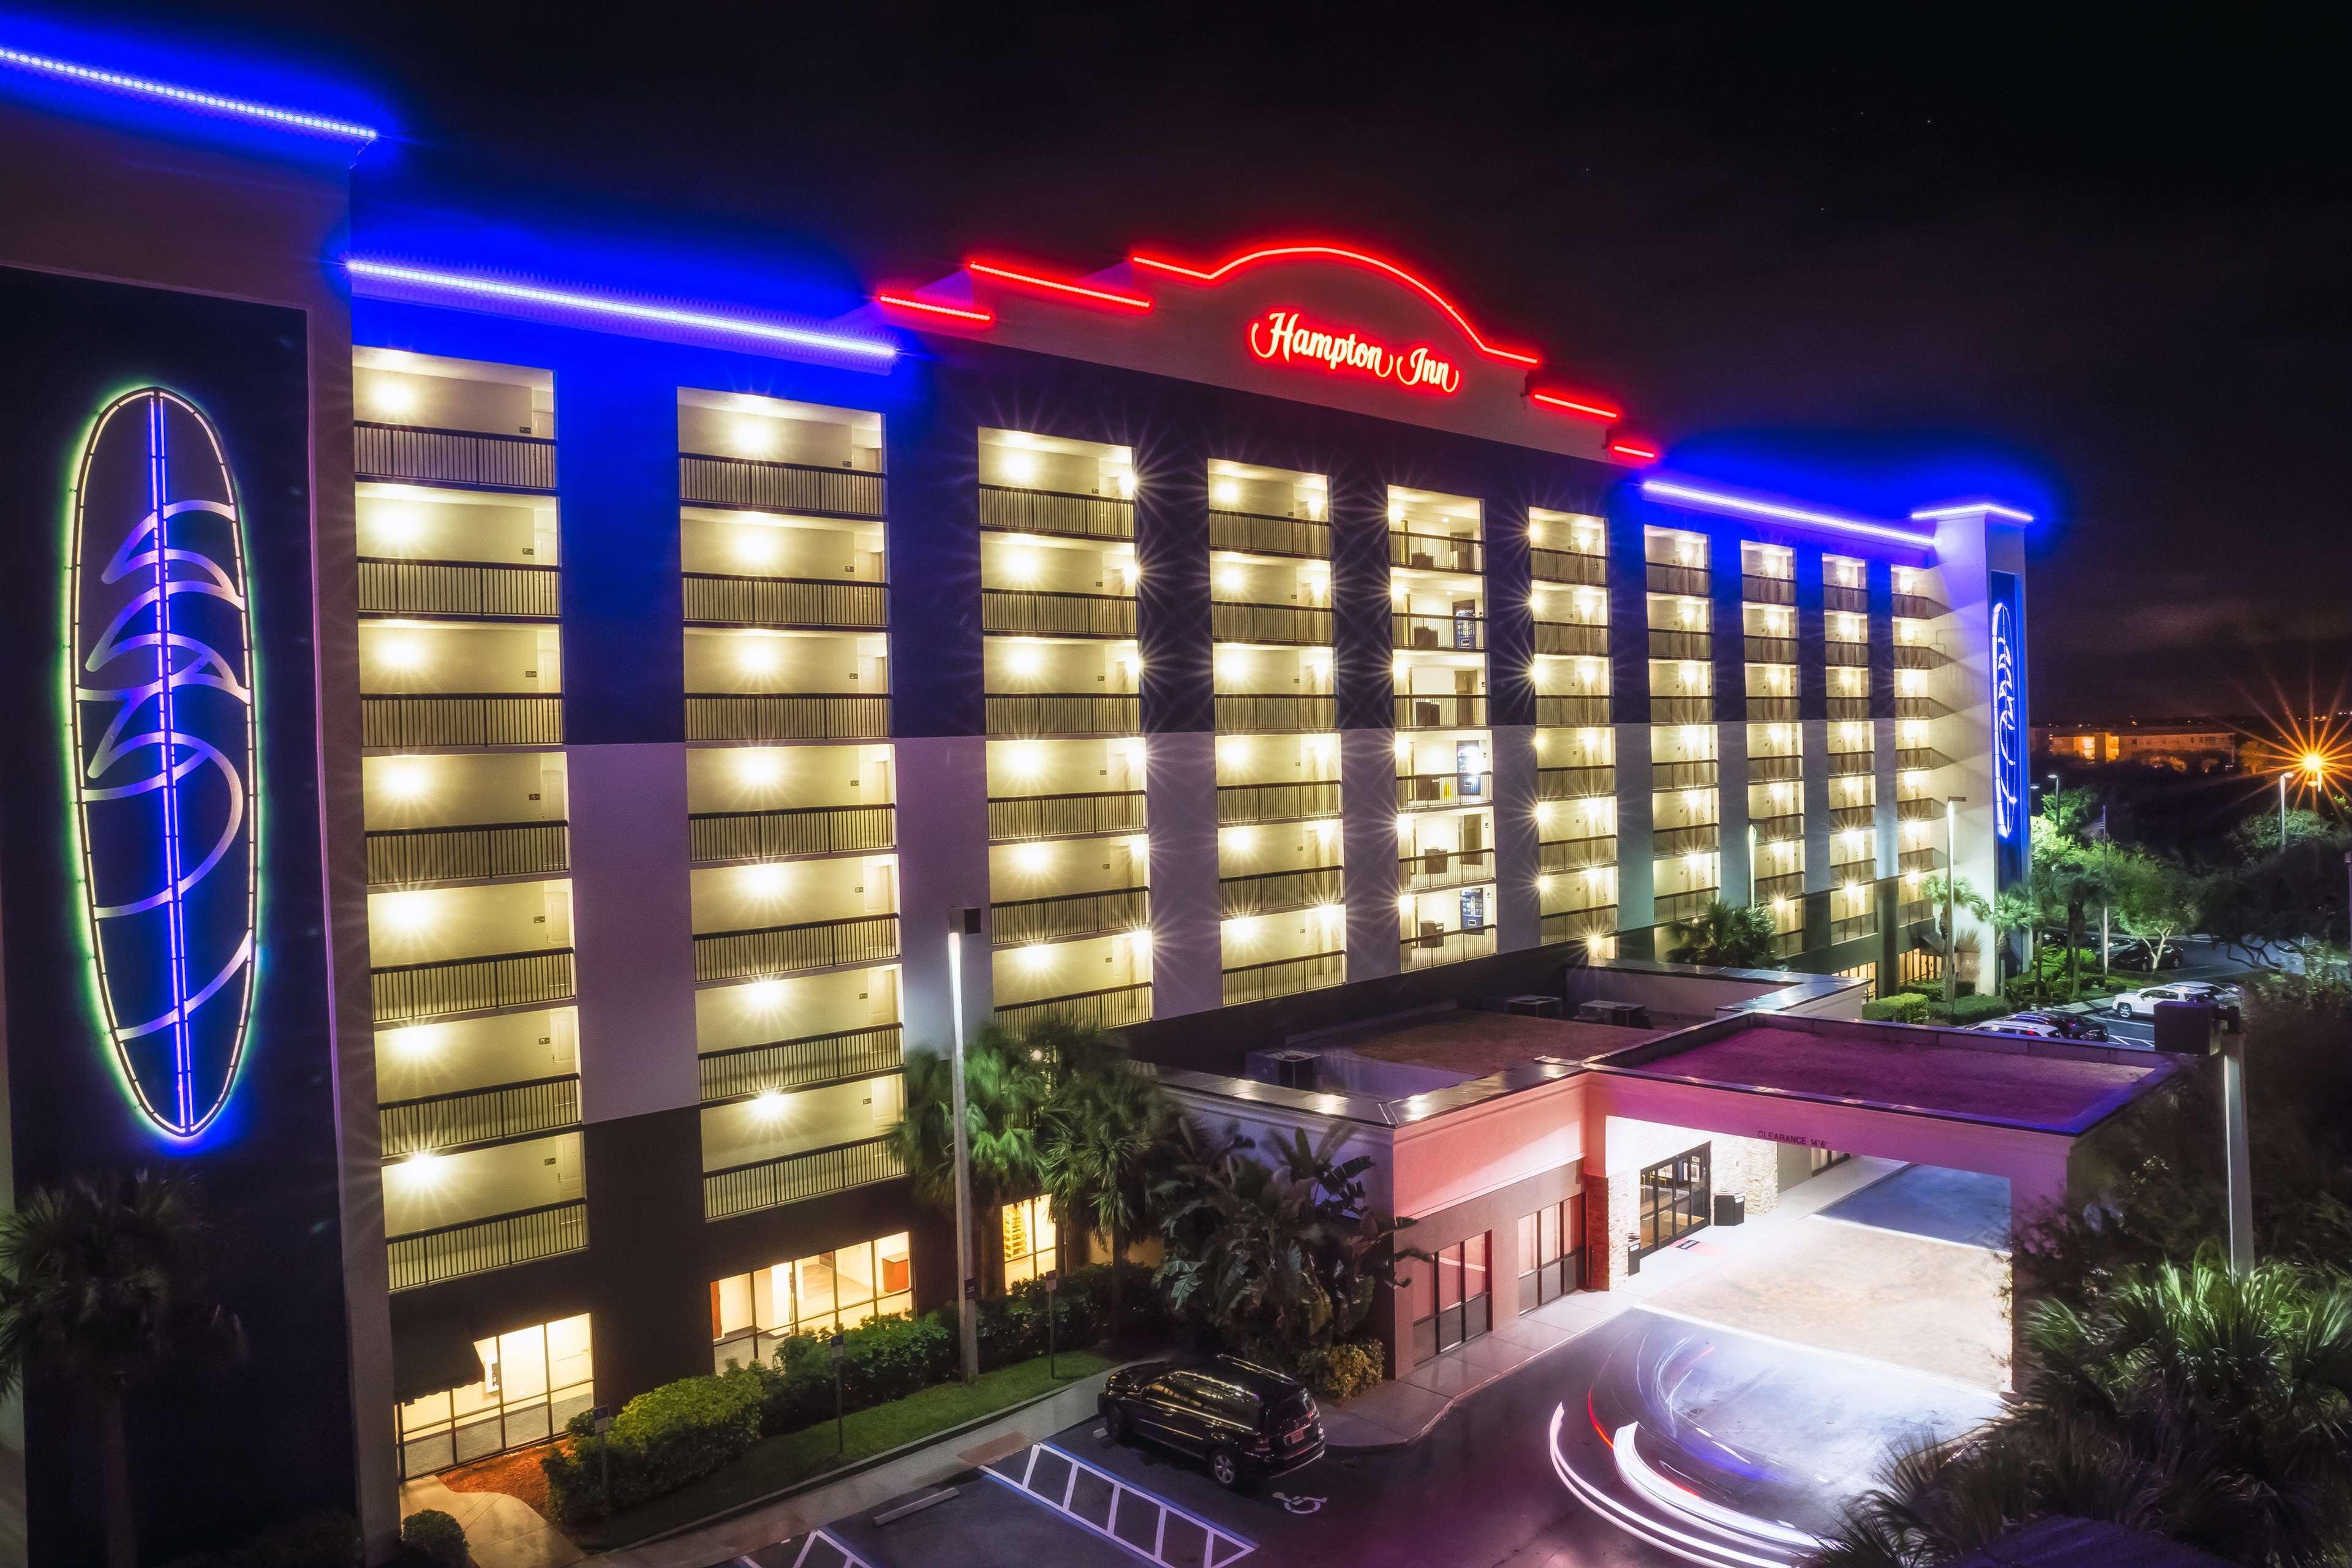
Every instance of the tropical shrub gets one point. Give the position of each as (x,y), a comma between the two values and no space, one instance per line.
(662,1439)
(1342,1371)
(436,1537)
(1968,1010)
(1903,1007)
(1730,936)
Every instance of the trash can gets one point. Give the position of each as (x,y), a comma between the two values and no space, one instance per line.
(1730,1208)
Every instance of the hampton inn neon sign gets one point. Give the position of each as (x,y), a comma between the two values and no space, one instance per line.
(1280,336)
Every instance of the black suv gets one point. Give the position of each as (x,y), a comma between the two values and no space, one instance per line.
(1250,1423)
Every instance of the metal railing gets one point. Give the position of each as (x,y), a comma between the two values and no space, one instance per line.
(1771,650)
(478,1115)
(1038,613)
(715,598)
(1919,708)
(1427,791)
(1760,590)
(475,1247)
(1577,854)
(1272,892)
(1918,607)
(1113,1007)
(1567,566)
(1430,949)
(1686,906)
(1669,643)
(399,855)
(1786,829)
(1920,808)
(1682,710)
(1242,712)
(1848,601)
(1912,758)
(1063,713)
(1435,552)
(1846,765)
(1284,977)
(1920,656)
(800,1063)
(1570,712)
(1702,774)
(1846,819)
(1788,885)
(1763,707)
(1666,578)
(716,836)
(1846,655)
(1580,925)
(1693,839)
(1015,817)
(1255,534)
(1240,804)
(1572,637)
(460,719)
(1409,633)
(790,949)
(469,459)
(1775,770)
(1921,859)
(1445,711)
(748,484)
(776,716)
(404,992)
(1576,784)
(1432,870)
(1302,625)
(1854,927)
(1019,511)
(1848,710)
(794,1178)
(480,590)
(1061,916)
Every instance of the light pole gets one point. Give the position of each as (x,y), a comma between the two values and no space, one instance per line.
(1751,863)
(2283,778)
(962,923)
(1952,803)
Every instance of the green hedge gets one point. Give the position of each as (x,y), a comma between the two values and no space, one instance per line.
(436,1537)
(1979,1010)
(660,1440)
(1903,1007)
(1343,1371)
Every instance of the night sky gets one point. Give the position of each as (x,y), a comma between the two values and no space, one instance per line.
(2112,248)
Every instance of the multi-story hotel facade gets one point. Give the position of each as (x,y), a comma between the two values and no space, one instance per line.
(588,715)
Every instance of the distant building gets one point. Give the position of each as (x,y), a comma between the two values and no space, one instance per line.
(2185,748)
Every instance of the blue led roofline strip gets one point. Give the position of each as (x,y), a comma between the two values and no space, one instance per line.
(188,97)
(474,287)
(1772,512)
(1970,508)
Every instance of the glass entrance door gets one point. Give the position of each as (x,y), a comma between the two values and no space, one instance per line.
(1674,1197)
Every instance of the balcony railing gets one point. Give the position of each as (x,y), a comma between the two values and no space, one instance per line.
(1672,906)
(1771,650)
(1034,612)
(1846,819)
(775,716)
(478,1115)
(1272,892)
(1847,764)
(1242,712)
(460,719)
(1284,977)
(1577,854)
(1240,803)
(790,949)
(1063,916)
(1572,637)
(473,590)
(1912,758)
(1759,590)
(1765,708)
(720,600)
(1788,885)
(1425,633)
(745,484)
(794,1178)
(398,857)
(1775,770)
(803,1063)
(1849,710)
(1017,817)
(1921,859)
(1920,808)
(1682,710)
(1254,533)
(1920,656)
(1567,566)
(1702,774)
(1695,838)
(1686,646)
(1018,510)
(407,992)
(1570,712)
(1445,711)
(453,1251)
(1854,927)
(1845,654)
(1434,792)
(1576,784)
(1432,870)
(1431,949)
(1436,552)
(718,836)
(1113,1007)
(467,460)
(1063,713)
(1919,708)
(1580,925)
(1918,607)
(1789,828)
(1665,577)
(1297,624)
(1847,600)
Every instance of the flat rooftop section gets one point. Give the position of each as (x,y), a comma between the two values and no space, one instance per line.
(1480,1044)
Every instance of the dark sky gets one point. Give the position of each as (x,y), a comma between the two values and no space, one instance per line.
(2115,243)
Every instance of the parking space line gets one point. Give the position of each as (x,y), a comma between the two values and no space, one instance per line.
(1914,1235)
(1214,1537)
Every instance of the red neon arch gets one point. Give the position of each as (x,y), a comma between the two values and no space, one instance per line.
(1340,253)
(1033,277)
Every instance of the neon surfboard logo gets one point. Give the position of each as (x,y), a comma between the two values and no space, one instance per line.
(163,738)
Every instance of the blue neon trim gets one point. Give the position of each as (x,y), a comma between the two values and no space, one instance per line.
(1732,505)
(481,288)
(188,97)
(1967,508)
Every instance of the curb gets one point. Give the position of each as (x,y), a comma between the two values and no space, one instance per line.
(1452,1404)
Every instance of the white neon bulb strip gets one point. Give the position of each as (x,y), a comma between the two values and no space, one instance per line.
(597,304)
(1969,509)
(1746,506)
(187,97)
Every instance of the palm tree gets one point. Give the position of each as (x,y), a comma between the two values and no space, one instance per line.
(1004,1088)
(1733,936)
(1098,1133)
(101,1289)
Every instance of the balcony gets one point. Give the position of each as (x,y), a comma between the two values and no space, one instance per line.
(1576,784)
(1436,552)
(1014,818)
(403,857)
(804,1063)
(767,950)
(1854,927)
(453,1251)
(410,993)
(1680,645)
(1854,818)
(1254,533)
(1920,808)
(1113,1007)
(1788,885)
(1570,712)
(1458,633)
(1918,607)
(715,836)
(746,484)
(1031,713)
(1295,624)
(1447,711)
(1758,590)
(1845,654)
(1580,925)
(1033,612)
(769,716)
(1919,656)
(1787,829)
(1238,805)
(1433,870)
(1912,758)
(1273,892)
(1695,838)
(1572,637)
(1771,650)
(1017,510)
(714,599)
(1577,854)
(1775,770)
(1675,907)
(794,1178)
(1568,566)
(470,590)
(436,1122)
(1764,707)
(1061,917)
(1702,774)
(1284,977)
(1689,582)
(1921,859)
(1240,713)
(462,460)
(1443,792)
(1850,764)
(1919,708)
(1842,597)
(1430,949)
(1849,710)
(415,723)
(1682,710)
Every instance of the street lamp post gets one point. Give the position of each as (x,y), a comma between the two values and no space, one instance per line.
(960,924)
(2283,778)
(1751,863)
(1952,805)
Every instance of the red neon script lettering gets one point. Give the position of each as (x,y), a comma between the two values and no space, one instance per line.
(1280,337)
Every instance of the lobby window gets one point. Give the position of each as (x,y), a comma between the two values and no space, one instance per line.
(533,1381)
(1032,1248)
(1451,1299)
(752,1314)
(1675,1195)
(1552,1252)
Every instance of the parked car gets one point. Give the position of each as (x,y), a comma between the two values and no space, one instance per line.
(2133,953)
(2062,1026)
(1248,1422)
(2016,1023)
(2141,1004)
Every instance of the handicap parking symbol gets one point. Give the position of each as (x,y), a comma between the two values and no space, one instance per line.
(1298,1504)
